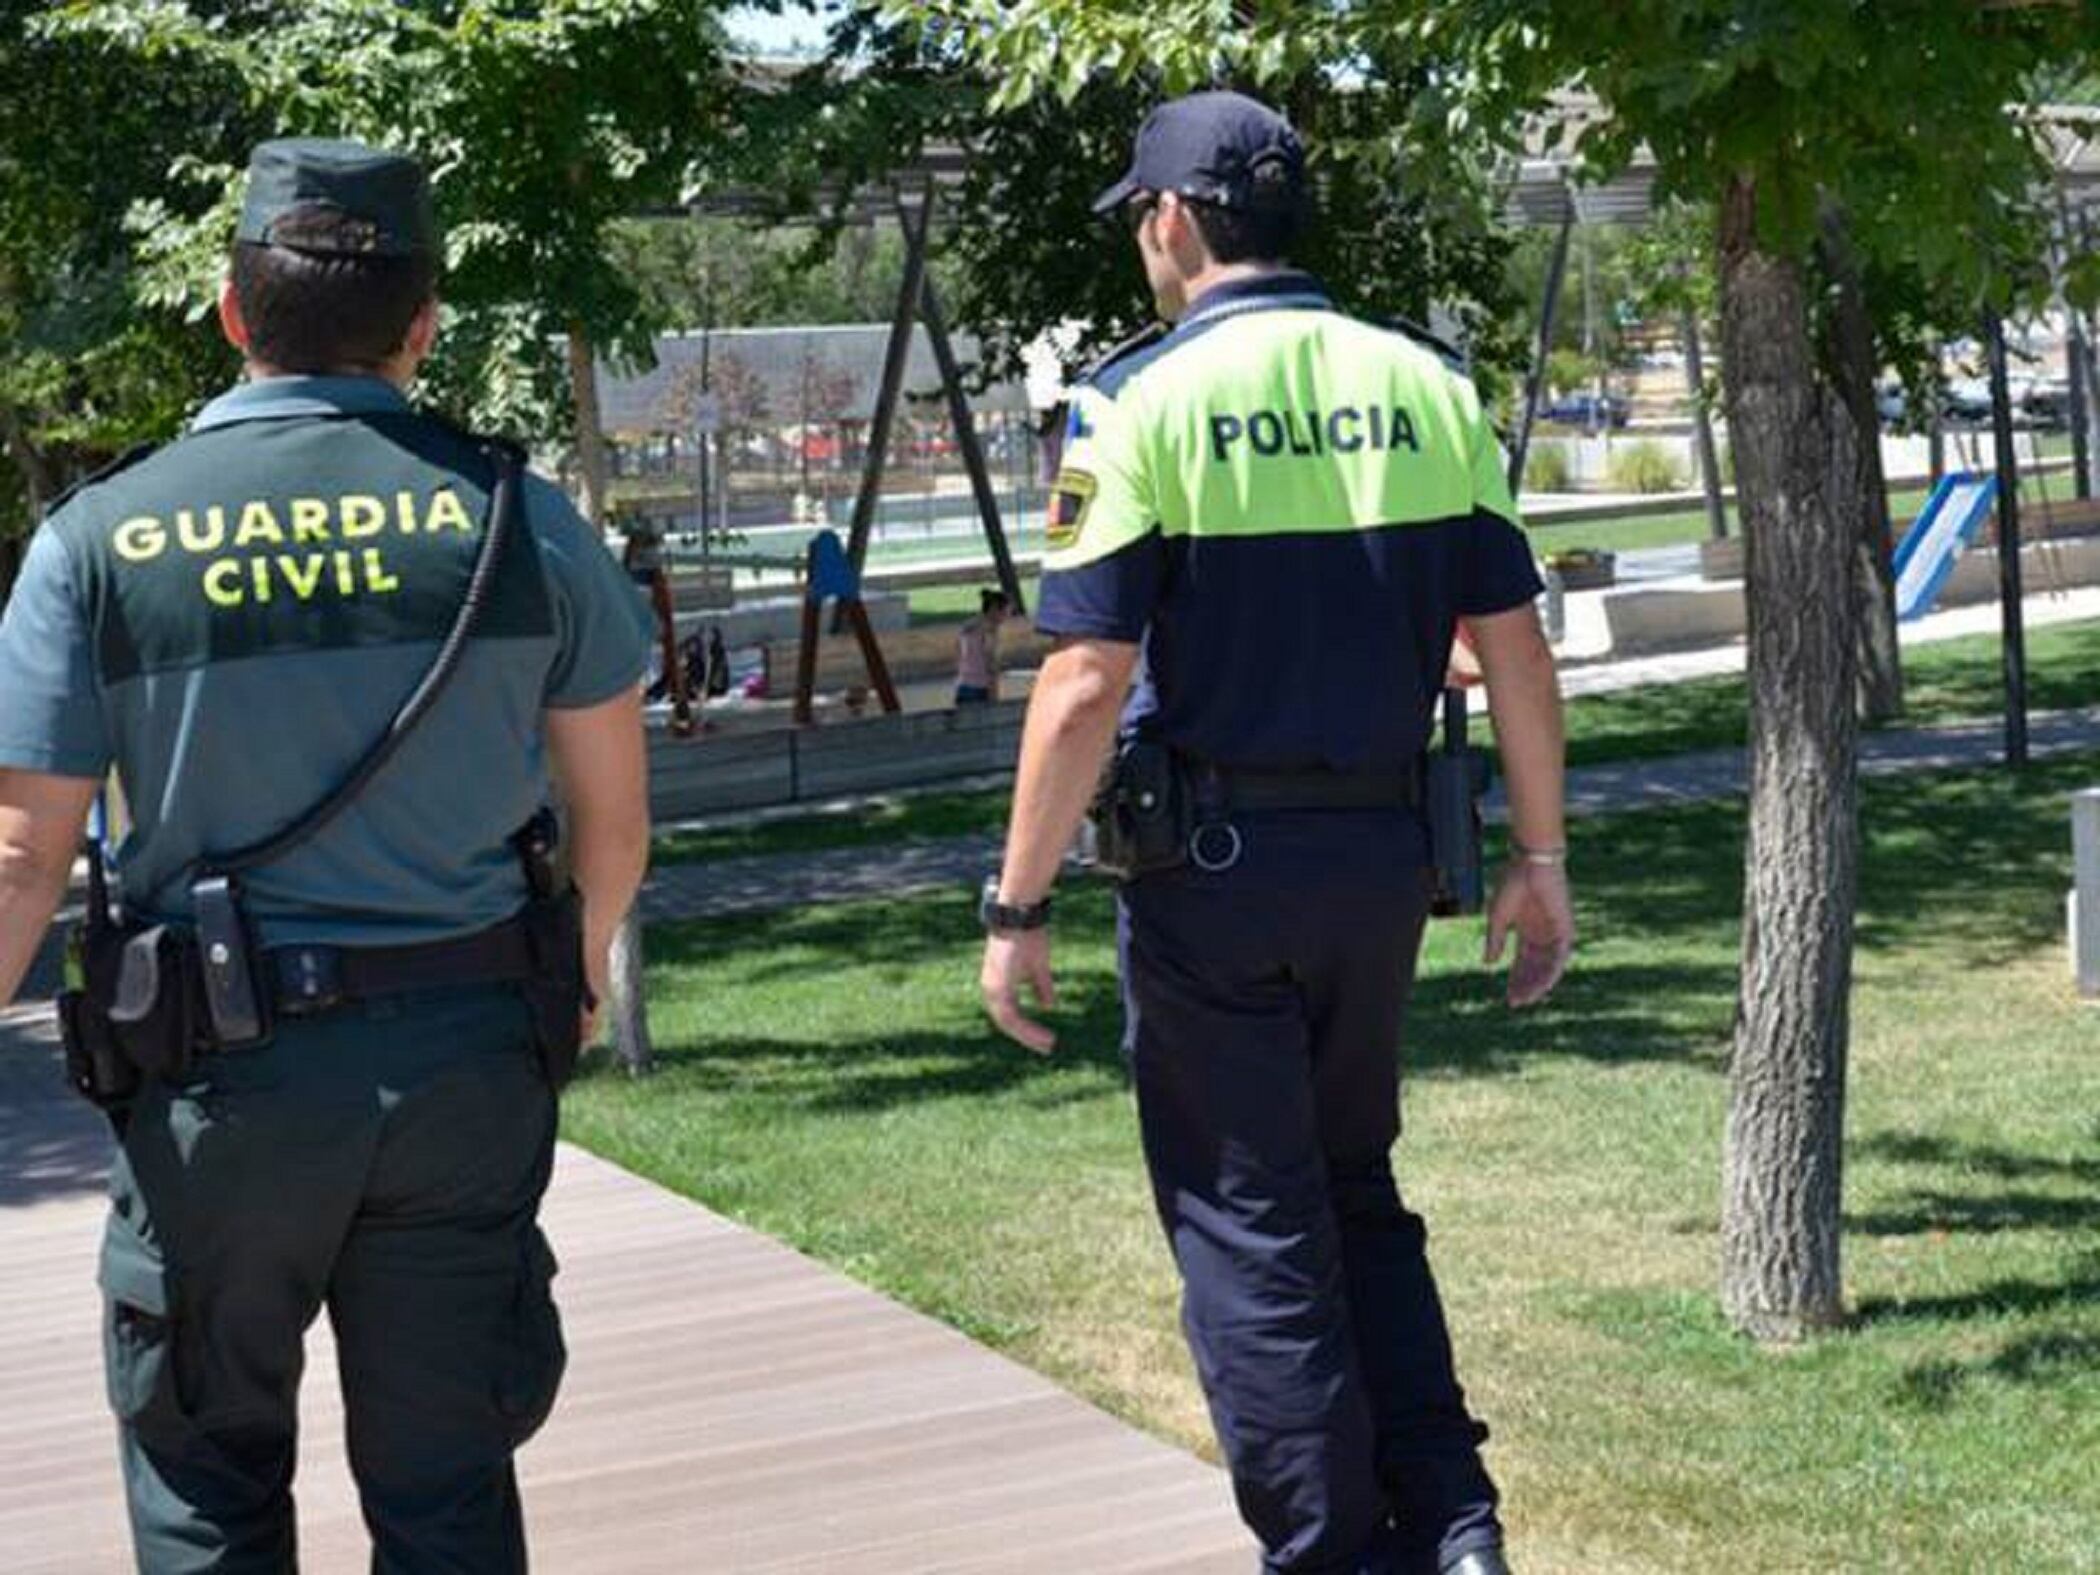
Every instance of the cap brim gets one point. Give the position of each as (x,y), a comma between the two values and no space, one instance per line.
(1118,194)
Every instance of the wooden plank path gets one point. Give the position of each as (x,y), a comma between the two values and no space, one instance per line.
(730,1406)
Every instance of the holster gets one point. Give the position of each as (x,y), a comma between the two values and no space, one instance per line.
(1144,811)
(136,1011)
(557,991)
(1457,779)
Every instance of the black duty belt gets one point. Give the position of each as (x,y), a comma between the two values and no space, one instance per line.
(311,979)
(1238,787)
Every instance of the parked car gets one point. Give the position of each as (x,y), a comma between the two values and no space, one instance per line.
(2048,404)
(1591,411)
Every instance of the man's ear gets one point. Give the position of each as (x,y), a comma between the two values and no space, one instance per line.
(231,323)
(422,332)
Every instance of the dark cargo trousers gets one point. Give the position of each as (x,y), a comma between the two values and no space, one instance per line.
(1264,1009)
(385,1161)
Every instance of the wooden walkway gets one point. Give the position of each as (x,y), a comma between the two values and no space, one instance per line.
(731,1406)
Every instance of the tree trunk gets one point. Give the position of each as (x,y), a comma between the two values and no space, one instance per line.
(628,1007)
(1794,459)
(1850,362)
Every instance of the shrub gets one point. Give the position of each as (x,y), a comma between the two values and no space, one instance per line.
(1546,469)
(1645,467)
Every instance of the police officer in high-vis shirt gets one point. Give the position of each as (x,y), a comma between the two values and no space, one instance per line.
(354,1043)
(1276,516)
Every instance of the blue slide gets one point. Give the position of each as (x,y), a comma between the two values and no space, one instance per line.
(1930,548)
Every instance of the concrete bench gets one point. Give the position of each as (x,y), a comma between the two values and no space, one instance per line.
(1673,617)
(714,773)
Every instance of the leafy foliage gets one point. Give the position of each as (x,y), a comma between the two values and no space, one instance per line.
(1046,98)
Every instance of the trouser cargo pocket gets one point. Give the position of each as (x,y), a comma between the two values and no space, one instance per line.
(138,1343)
(531,1373)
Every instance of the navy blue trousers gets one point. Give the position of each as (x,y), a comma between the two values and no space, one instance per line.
(1264,1009)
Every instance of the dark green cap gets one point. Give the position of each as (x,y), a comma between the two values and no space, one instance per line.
(316,194)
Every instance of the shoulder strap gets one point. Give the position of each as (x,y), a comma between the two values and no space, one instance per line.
(497,529)
(124,461)
(1441,348)
(1150,334)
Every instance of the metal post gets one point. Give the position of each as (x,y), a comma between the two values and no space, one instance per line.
(702,439)
(2077,356)
(893,361)
(2085,892)
(1703,427)
(972,450)
(2015,641)
(1535,384)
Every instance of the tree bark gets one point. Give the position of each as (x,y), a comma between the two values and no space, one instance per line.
(1795,461)
(628,1008)
(1850,362)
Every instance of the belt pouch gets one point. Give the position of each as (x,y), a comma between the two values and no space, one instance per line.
(1142,814)
(155,1009)
(556,991)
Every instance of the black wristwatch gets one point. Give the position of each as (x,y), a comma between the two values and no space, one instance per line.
(1002,918)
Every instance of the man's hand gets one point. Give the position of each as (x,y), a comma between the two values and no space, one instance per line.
(1532,899)
(1009,959)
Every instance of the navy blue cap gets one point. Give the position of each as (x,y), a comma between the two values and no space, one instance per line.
(1208,147)
(317,194)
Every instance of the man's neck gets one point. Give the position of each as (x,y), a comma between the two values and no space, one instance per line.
(1198,285)
(262,371)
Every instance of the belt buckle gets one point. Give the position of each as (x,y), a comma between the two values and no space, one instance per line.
(309,980)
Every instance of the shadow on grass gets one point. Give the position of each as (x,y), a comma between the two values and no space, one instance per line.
(1963,869)
(2077,1293)
(1919,1148)
(1944,1208)
(1459,1027)
(1972,1216)
(2044,1359)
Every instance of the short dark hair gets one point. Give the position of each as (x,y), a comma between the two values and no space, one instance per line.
(992,601)
(1262,231)
(317,312)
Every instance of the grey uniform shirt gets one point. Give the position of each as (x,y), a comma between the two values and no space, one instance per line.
(233,621)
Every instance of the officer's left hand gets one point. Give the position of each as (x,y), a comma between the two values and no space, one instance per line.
(1532,900)
(1008,960)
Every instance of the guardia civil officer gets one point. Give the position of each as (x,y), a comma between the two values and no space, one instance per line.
(332,648)
(1276,516)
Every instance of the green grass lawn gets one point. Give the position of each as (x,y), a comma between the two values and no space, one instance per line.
(1946,681)
(827,1079)
(884,822)
(1943,682)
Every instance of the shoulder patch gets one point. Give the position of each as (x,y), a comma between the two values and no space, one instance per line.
(1070,496)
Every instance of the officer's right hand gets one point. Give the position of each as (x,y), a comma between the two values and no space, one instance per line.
(1532,900)
(1009,958)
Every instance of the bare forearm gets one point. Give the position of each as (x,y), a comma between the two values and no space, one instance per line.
(608,859)
(1528,734)
(41,819)
(1071,726)
(1524,699)
(31,888)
